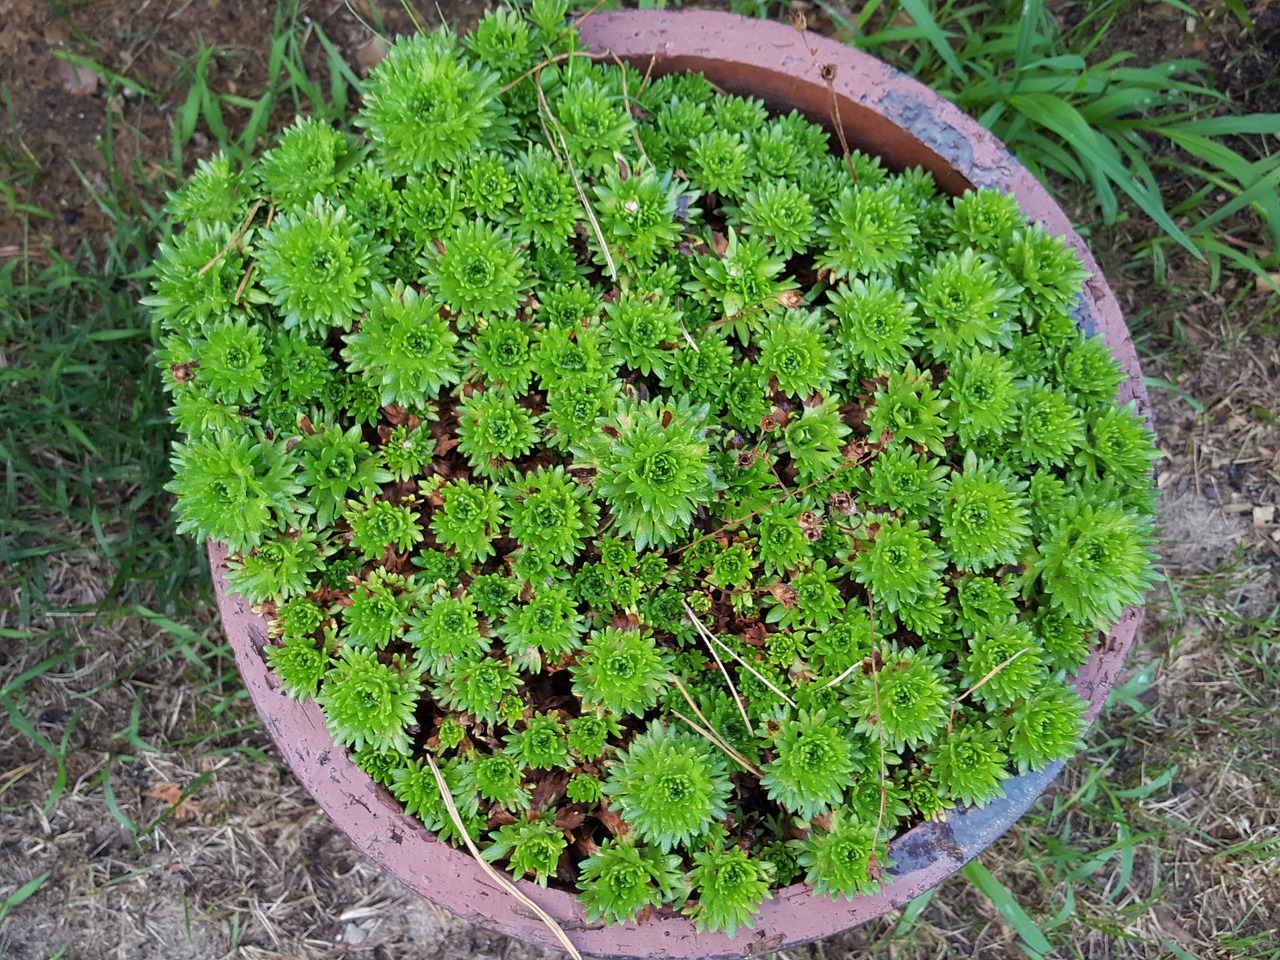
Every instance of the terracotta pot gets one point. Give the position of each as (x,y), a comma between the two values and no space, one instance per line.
(883,112)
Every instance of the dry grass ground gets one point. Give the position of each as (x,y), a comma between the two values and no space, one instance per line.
(138,790)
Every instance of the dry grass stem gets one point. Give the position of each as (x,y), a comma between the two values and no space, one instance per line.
(708,635)
(995,670)
(545,108)
(742,709)
(253,212)
(558,58)
(447,796)
(722,744)
(635,131)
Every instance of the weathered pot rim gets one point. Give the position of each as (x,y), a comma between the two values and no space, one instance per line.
(777,63)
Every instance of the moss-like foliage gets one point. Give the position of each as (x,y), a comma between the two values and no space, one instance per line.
(670,787)
(813,766)
(707,505)
(623,877)
(729,886)
(531,848)
(653,468)
(403,348)
(620,670)
(370,702)
(904,701)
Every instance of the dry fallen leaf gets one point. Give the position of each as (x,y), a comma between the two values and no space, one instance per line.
(171,793)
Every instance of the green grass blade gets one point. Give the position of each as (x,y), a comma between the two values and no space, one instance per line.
(109,797)
(1028,33)
(1034,943)
(44,666)
(911,912)
(919,11)
(1261,124)
(109,75)
(23,894)
(1101,158)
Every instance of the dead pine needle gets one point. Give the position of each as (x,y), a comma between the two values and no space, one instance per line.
(234,239)
(545,108)
(690,700)
(626,97)
(550,61)
(729,680)
(447,796)
(875,692)
(708,635)
(957,701)
(577,23)
(844,676)
(244,282)
(723,744)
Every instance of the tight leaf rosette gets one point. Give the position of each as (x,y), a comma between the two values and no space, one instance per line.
(653,467)
(670,787)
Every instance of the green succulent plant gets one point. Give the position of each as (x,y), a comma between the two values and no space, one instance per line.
(1095,561)
(280,567)
(369,702)
(622,671)
(494,430)
(496,778)
(904,701)
(479,273)
(845,859)
(194,285)
(468,519)
(541,743)
(868,230)
(729,887)
(653,468)
(550,622)
(378,611)
(795,356)
(550,511)
(813,766)
(744,282)
(623,877)
(706,504)
(317,266)
(445,630)
(670,787)
(403,347)
(337,465)
(301,664)
(530,848)
(233,489)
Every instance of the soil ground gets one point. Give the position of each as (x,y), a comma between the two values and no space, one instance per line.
(1171,820)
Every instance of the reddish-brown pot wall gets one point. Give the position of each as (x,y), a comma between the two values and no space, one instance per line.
(882,112)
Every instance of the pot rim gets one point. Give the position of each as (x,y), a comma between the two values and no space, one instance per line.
(781,65)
